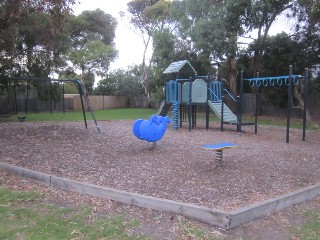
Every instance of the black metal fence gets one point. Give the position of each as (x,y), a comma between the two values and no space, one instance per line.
(34,105)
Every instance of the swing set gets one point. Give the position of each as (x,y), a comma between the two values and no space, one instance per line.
(82,92)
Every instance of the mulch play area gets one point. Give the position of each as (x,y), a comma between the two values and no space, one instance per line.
(259,167)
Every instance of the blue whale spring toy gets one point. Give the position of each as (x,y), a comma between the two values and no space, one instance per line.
(151,130)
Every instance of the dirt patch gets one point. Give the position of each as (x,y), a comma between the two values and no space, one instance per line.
(260,167)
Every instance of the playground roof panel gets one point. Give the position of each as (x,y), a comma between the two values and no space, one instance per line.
(183,66)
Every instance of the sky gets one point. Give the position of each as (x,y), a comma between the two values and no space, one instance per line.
(128,43)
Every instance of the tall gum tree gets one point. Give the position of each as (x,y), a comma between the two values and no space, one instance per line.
(147,16)
(93,49)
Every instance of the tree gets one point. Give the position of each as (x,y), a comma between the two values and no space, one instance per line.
(146,16)
(213,28)
(262,16)
(121,83)
(93,58)
(93,49)
(35,50)
(33,38)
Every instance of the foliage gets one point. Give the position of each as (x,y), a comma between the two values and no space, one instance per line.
(121,83)
(93,49)
(147,17)
(41,37)
(35,50)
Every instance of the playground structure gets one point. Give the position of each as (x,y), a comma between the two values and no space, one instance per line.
(82,92)
(183,95)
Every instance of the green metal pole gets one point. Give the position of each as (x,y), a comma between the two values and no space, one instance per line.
(256,106)
(306,76)
(289,103)
(83,111)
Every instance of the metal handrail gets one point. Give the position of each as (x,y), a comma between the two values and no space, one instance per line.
(214,96)
(230,95)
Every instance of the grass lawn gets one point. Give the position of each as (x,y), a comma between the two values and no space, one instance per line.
(144,113)
(111,114)
(24,216)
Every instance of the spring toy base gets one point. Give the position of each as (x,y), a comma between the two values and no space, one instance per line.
(218,148)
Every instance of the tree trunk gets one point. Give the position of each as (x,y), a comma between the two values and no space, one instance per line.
(233,77)
(298,94)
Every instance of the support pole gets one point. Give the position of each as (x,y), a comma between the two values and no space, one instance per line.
(207,105)
(83,111)
(256,106)
(50,84)
(289,103)
(306,76)
(27,99)
(15,97)
(239,113)
(222,110)
(63,103)
(190,105)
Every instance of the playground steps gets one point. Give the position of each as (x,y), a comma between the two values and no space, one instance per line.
(228,115)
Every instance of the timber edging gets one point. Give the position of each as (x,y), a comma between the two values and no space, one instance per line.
(211,216)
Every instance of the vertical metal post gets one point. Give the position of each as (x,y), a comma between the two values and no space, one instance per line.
(222,103)
(256,105)
(306,76)
(239,113)
(15,97)
(190,104)
(63,103)
(26,106)
(207,105)
(83,111)
(289,103)
(50,86)
(181,114)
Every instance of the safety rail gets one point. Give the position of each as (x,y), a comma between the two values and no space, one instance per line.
(215,97)
(230,95)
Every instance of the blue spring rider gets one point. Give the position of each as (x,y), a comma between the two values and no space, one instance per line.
(151,130)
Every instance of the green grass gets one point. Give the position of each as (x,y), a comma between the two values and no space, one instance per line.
(111,114)
(24,216)
(143,113)
(310,229)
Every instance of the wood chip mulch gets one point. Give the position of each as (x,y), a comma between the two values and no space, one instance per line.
(260,167)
